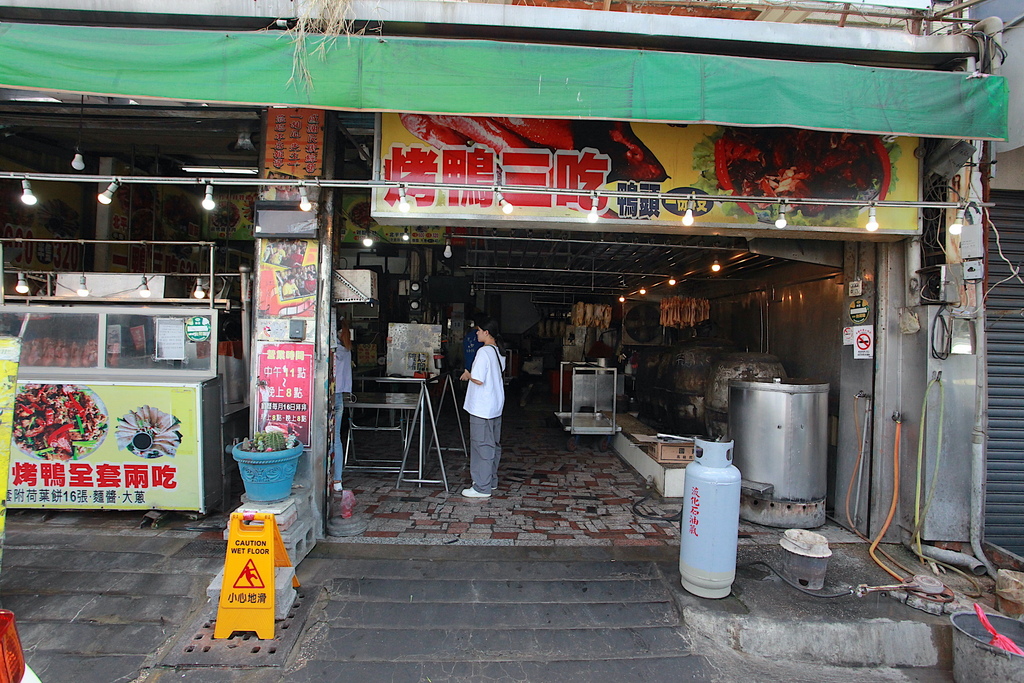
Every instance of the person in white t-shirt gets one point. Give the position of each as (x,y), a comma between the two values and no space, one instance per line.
(485,399)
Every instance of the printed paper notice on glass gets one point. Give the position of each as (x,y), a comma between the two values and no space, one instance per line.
(170,339)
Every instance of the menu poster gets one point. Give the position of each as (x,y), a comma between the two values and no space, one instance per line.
(170,339)
(284,388)
(287,278)
(105,446)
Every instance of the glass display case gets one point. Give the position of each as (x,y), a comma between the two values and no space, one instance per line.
(109,342)
(117,408)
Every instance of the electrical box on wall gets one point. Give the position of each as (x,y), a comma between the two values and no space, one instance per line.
(938,286)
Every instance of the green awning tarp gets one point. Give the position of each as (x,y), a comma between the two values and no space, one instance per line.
(430,75)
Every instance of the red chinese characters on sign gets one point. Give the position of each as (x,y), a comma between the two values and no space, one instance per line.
(295,141)
(694,516)
(87,475)
(285,388)
(584,169)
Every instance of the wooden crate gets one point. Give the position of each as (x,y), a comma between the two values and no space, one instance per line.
(673,452)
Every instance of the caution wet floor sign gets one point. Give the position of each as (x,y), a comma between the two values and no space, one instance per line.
(247,593)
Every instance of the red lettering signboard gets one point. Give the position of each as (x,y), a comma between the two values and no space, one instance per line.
(105,446)
(284,388)
(652,169)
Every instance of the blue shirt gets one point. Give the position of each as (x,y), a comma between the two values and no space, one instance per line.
(470,344)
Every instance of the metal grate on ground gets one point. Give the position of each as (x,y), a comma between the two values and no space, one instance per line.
(197,647)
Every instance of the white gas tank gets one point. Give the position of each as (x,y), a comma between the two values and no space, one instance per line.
(710,521)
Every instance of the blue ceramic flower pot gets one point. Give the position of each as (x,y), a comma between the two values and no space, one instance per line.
(267,476)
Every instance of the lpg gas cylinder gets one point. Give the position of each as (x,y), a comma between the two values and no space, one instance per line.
(710,521)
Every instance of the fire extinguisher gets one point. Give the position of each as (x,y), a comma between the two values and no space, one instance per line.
(710,521)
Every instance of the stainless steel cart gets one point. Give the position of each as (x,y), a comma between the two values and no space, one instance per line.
(592,403)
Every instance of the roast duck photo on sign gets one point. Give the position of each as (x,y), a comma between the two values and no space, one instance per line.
(630,158)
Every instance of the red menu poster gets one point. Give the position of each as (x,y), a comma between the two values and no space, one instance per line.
(284,388)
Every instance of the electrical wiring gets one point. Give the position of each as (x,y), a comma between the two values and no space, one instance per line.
(895,497)
(940,348)
(759,563)
(658,518)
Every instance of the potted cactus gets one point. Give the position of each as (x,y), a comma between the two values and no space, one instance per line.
(267,463)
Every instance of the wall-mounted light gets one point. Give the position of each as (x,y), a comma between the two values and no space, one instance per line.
(208,202)
(872,220)
(144,290)
(715,266)
(781,221)
(448,248)
(405,235)
(957,226)
(506,205)
(83,289)
(672,282)
(107,195)
(367,240)
(26,193)
(304,202)
(199,292)
(22,286)
(592,216)
(403,200)
(688,216)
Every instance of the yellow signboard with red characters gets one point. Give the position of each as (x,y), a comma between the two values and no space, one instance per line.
(640,162)
(105,446)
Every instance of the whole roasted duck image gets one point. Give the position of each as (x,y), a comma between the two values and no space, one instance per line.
(630,158)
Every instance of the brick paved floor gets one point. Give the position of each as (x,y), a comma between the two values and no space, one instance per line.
(546,495)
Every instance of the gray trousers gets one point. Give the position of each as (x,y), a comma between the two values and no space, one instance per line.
(484,452)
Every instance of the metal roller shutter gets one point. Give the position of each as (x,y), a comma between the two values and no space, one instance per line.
(1004,506)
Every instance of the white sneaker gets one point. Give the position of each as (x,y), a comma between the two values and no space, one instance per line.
(473,493)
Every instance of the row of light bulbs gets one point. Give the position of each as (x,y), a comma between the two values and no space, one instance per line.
(715,267)
(405,205)
(107,196)
(83,288)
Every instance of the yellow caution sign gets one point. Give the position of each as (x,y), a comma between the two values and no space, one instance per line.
(247,592)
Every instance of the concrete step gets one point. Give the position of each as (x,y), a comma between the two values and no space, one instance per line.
(485,645)
(490,591)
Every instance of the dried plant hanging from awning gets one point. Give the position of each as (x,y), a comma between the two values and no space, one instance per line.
(323,18)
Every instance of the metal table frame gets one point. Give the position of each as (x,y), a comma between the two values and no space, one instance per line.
(420,406)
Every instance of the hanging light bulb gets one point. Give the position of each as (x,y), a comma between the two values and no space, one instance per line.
(622,299)
(672,282)
(715,266)
(403,200)
(781,221)
(592,216)
(642,291)
(872,220)
(78,163)
(208,202)
(107,195)
(83,289)
(688,216)
(367,240)
(199,292)
(26,193)
(144,290)
(304,202)
(958,225)
(506,206)
(405,235)
(22,286)
(448,248)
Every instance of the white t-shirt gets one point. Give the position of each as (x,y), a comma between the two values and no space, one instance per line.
(486,400)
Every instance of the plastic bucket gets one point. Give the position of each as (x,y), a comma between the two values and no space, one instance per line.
(267,477)
(974,660)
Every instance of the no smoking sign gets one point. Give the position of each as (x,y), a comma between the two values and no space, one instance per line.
(864,341)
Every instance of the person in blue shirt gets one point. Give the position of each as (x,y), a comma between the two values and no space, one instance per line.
(485,400)
(470,344)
